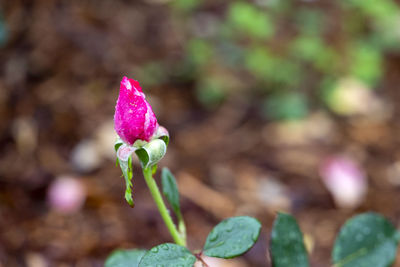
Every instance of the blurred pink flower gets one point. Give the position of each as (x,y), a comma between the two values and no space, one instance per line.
(345,180)
(66,194)
(134,119)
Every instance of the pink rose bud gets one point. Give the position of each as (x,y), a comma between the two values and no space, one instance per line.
(345,180)
(134,119)
(66,195)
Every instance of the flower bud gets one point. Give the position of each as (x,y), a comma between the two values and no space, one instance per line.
(134,119)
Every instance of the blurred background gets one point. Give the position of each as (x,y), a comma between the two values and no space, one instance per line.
(272,105)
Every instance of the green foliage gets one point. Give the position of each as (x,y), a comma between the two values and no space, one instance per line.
(386,8)
(365,63)
(185,5)
(199,51)
(367,240)
(259,61)
(232,237)
(210,91)
(151,74)
(286,244)
(271,69)
(249,20)
(310,21)
(168,255)
(286,106)
(281,45)
(170,190)
(125,258)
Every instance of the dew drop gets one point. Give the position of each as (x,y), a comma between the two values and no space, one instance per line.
(213,236)
(154,250)
(164,246)
(292,235)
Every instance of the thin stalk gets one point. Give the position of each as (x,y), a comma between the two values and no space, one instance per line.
(155,193)
(181,226)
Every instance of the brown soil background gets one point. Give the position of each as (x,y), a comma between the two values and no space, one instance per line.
(60,72)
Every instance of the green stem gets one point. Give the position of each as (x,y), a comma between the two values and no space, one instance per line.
(155,193)
(181,226)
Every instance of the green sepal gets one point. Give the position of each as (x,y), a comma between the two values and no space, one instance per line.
(165,138)
(124,159)
(162,134)
(126,167)
(151,153)
(117,144)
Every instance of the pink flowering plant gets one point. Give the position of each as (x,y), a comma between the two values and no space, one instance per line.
(140,135)
(368,240)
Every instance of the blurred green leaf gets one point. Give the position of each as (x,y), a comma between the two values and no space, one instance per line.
(272,69)
(232,237)
(125,258)
(369,7)
(307,48)
(250,20)
(312,49)
(185,5)
(279,7)
(170,190)
(152,73)
(168,255)
(310,21)
(386,34)
(199,51)
(286,244)
(231,54)
(367,240)
(366,63)
(286,106)
(259,61)
(210,91)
